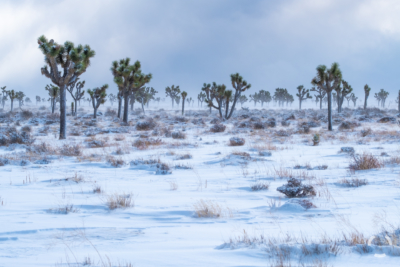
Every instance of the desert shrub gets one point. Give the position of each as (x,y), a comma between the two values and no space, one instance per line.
(42,148)
(144,143)
(365,161)
(347,125)
(26,114)
(64,209)
(215,121)
(26,128)
(178,135)
(75,131)
(119,137)
(185,156)
(260,186)
(163,168)
(243,155)
(110,113)
(70,150)
(258,125)
(306,204)
(236,141)
(353,182)
(115,162)
(295,188)
(118,201)
(365,132)
(271,122)
(16,138)
(146,125)
(217,128)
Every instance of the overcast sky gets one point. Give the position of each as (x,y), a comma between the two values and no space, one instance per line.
(183,42)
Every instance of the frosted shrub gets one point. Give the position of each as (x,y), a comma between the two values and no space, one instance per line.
(236,141)
(295,188)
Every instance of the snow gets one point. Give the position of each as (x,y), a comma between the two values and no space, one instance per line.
(163,229)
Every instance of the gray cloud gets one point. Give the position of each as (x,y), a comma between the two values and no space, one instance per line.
(271,43)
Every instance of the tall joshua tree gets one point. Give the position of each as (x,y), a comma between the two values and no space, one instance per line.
(75,89)
(321,93)
(367,89)
(144,95)
(328,80)
(201,97)
(73,62)
(129,79)
(255,98)
(302,94)
(264,96)
(172,92)
(20,97)
(381,97)
(98,97)
(4,95)
(13,95)
(54,93)
(184,95)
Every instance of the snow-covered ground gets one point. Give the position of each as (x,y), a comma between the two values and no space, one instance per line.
(55,195)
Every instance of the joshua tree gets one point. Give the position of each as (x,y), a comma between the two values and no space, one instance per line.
(316,100)
(13,95)
(354,99)
(320,95)
(184,95)
(264,96)
(78,94)
(302,94)
(157,100)
(243,99)
(189,100)
(72,60)
(328,80)
(225,97)
(255,98)
(178,100)
(98,97)
(367,89)
(129,79)
(4,95)
(342,92)
(28,100)
(348,98)
(20,97)
(173,92)
(54,92)
(144,95)
(281,96)
(381,97)
(119,97)
(112,98)
(37,99)
(201,97)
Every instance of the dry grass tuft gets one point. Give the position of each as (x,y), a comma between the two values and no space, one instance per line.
(353,182)
(119,201)
(365,161)
(260,185)
(210,209)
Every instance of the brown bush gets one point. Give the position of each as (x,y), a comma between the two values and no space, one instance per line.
(365,161)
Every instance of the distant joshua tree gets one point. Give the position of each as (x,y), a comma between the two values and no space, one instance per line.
(4,95)
(184,95)
(54,92)
(302,94)
(28,100)
(173,92)
(201,97)
(144,95)
(243,99)
(73,62)
(37,99)
(354,99)
(77,94)
(98,97)
(381,97)
(112,98)
(129,79)
(225,97)
(13,95)
(367,89)
(255,98)
(328,80)
(264,96)
(321,93)
(342,92)
(20,97)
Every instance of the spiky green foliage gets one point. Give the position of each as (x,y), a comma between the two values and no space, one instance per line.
(173,92)
(302,94)
(97,96)
(367,89)
(73,62)
(129,79)
(328,80)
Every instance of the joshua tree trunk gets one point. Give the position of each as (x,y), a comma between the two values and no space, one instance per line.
(12,105)
(183,107)
(126,108)
(131,105)
(95,113)
(75,107)
(329,111)
(300,104)
(172,102)
(53,105)
(142,106)
(63,113)
(119,107)
(320,103)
